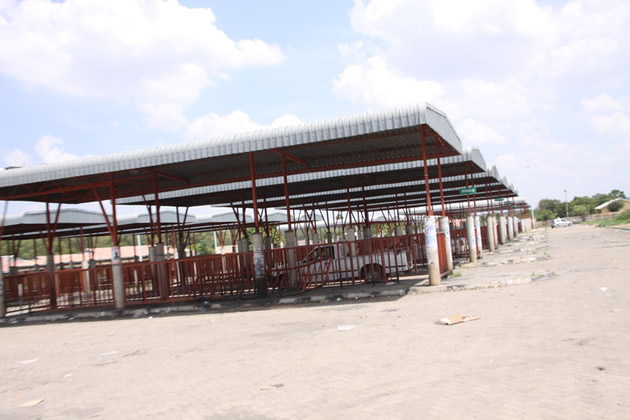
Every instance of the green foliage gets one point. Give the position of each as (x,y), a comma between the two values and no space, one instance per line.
(579,210)
(545,214)
(548,204)
(624,216)
(615,206)
(581,206)
(602,198)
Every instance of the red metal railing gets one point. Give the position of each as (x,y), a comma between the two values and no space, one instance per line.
(66,289)
(207,276)
(216,276)
(459,244)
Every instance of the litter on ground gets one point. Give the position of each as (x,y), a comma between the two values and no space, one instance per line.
(458,319)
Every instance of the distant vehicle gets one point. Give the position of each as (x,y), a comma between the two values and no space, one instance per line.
(560,223)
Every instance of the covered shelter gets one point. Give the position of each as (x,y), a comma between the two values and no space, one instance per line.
(412,148)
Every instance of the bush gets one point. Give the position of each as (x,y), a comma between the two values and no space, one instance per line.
(615,206)
(624,215)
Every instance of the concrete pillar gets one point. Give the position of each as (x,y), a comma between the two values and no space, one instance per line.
(85,264)
(242,245)
(490,226)
(315,238)
(329,237)
(117,279)
(181,251)
(367,232)
(433,262)
(478,236)
(510,228)
(495,226)
(444,227)
(267,243)
(3,305)
(502,230)
(472,241)
(359,235)
(400,230)
(259,265)
(350,238)
(290,240)
(160,270)
(409,229)
(515,225)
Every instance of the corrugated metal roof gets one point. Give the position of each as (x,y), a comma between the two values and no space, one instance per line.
(303,134)
(66,216)
(473,156)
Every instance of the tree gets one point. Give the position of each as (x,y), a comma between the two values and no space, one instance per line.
(580,210)
(548,204)
(615,206)
(587,202)
(545,214)
(617,194)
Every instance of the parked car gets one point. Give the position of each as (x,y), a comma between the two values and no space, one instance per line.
(560,223)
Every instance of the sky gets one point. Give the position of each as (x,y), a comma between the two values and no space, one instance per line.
(541,87)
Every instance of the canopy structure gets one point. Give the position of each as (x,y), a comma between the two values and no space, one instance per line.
(349,169)
(397,135)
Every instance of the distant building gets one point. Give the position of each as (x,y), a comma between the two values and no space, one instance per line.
(603,208)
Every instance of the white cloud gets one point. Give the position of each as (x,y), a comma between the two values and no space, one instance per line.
(50,149)
(215,125)
(17,157)
(609,116)
(375,83)
(156,54)
(604,103)
(285,121)
(478,133)
(617,124)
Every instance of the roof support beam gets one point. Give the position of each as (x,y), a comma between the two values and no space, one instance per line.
(291,157)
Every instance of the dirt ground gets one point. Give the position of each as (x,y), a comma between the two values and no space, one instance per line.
(555,348)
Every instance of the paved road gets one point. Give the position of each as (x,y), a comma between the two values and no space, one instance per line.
(556,348)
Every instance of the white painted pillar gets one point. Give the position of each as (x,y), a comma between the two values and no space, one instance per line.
(3,305)
(444,227)
(478,236)
(470,235)
(502,230)
(510,228)
(367,233)
(433,262)
(350,238)
(291,242)
(117,279)
(490,227)
(259,265)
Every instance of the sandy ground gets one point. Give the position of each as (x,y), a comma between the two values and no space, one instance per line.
(556,348)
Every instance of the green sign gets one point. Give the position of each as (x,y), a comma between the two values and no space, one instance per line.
(499,199)
(469,190)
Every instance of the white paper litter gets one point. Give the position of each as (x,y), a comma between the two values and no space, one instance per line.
(345,327)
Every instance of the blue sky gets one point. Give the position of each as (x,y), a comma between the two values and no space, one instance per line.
(543,88)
